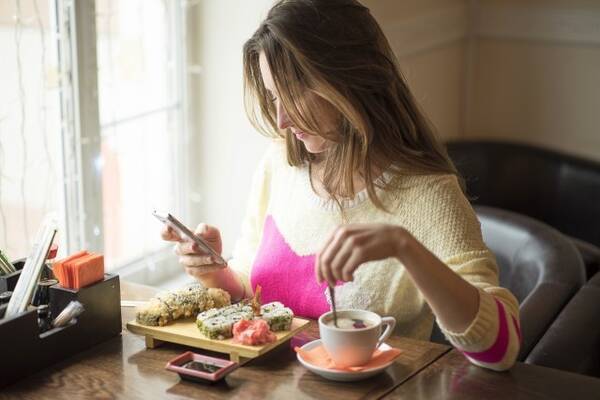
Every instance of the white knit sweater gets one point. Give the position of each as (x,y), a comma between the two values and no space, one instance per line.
(287,223)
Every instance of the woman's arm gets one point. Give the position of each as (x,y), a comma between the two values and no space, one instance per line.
(235,278)
(200,264)
(479,318)
(225,279)
(453,300)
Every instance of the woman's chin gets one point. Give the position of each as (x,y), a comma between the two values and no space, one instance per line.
(315,148)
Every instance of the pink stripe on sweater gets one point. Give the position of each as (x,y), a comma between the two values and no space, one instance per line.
(517,327)
(495,353)
(285,276)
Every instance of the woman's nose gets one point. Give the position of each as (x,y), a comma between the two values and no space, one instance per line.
(283,121)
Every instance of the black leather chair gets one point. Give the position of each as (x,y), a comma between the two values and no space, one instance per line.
(541,267)
(572,343)
(560,190)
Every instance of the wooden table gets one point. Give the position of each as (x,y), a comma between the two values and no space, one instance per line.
(453,377)
(123,368)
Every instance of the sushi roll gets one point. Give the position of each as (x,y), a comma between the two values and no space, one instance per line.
(183,303)
(150,315)
(219,298)
(238,317)
(218,327)
(175,304)
(217,323)
(267,308)
(205,315)
(279,319)
(231,310)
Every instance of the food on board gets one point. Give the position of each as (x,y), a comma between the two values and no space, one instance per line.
(253,332)
(218,323)
(183,303)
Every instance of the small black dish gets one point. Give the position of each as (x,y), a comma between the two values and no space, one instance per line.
(200,368)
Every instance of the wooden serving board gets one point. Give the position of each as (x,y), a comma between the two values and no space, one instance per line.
(186,332)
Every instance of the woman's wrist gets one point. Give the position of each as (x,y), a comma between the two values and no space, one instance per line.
(209,278)
(403,244)
(226,279)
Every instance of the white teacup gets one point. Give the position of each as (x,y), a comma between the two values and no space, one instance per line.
(354,346)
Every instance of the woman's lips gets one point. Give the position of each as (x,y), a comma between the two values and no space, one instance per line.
(300,135)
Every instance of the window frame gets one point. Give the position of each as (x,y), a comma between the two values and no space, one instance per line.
(82,196)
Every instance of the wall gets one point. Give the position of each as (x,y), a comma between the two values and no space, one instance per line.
(535,74)
(519,70)
(223,145)
(429,37)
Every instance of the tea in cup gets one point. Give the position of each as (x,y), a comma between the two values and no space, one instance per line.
(357,335)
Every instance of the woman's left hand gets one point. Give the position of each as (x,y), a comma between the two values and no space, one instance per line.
(352,245)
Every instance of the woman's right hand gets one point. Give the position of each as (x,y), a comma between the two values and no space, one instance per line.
(197,262)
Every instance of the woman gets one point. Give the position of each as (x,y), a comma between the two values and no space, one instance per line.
(355,191)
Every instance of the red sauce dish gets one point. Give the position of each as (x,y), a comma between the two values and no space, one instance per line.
(200,368)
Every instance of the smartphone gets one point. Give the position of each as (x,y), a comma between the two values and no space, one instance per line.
(185,233)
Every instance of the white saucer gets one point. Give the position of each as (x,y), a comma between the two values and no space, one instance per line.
(341,376)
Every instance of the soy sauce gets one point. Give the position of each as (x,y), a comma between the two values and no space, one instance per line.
(202,367)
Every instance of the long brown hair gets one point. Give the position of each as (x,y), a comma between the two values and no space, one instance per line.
(336,49)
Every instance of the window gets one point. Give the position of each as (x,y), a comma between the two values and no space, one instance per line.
(30,122)
(92,102)
(140,102)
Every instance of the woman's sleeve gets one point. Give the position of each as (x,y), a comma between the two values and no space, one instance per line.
(493,338)
(247,244)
